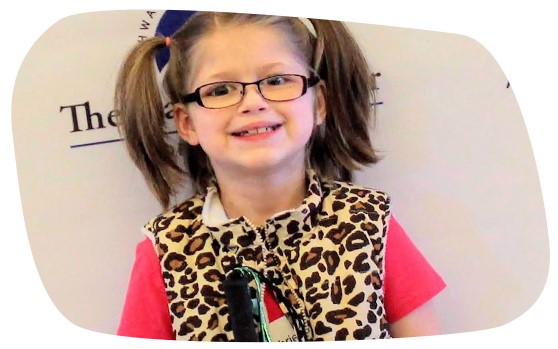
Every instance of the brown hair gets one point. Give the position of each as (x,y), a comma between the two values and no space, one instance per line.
(336,148)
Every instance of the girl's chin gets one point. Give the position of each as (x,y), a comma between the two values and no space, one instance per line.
(264,164)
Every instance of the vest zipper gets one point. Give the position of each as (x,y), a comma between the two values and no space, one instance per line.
(260,233)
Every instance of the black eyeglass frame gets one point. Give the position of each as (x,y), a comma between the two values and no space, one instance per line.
(307,82)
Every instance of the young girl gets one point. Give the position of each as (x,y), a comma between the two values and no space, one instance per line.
(273,116)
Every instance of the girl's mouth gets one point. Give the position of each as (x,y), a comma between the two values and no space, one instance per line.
(256,131)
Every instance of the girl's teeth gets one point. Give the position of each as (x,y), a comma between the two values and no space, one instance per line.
(257,130)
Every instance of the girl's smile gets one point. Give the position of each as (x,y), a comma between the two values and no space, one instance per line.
(257,130)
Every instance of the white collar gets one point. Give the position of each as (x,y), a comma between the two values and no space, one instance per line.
(213,213)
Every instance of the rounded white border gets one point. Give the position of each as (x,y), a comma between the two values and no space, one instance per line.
(519,36)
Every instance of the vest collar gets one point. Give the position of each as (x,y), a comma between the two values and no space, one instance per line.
(215,218)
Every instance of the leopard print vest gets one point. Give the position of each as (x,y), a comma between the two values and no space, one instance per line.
(326,259)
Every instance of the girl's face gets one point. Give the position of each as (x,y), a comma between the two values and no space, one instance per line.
(249,53)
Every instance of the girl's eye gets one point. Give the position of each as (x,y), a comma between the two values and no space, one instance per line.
(218,90)
(277,80)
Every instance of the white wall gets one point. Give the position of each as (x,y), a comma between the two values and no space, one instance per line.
(458,164)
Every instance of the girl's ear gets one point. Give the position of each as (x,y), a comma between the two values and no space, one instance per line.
(184,124)
(321,105)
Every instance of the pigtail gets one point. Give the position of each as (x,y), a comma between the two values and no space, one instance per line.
(141,120)
(350,95)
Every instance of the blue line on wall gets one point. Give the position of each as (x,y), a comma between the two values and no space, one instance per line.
(96,143)
(104,142)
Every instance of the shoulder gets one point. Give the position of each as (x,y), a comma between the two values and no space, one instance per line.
(350,202)
(182,214)
(353,193)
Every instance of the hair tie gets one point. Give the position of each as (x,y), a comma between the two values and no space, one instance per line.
(168,41)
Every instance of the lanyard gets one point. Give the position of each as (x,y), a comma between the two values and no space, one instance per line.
(259,307)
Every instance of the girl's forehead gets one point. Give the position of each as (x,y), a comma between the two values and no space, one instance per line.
(235,51)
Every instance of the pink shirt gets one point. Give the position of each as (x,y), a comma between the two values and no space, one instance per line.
(409,282)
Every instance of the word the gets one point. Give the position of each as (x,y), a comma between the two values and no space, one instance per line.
(83,118)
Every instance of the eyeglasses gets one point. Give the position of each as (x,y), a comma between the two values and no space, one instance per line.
(277,88)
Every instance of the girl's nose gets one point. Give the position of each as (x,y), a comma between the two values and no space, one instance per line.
(252,100)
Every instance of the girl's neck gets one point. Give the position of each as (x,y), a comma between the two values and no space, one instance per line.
(259,196)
